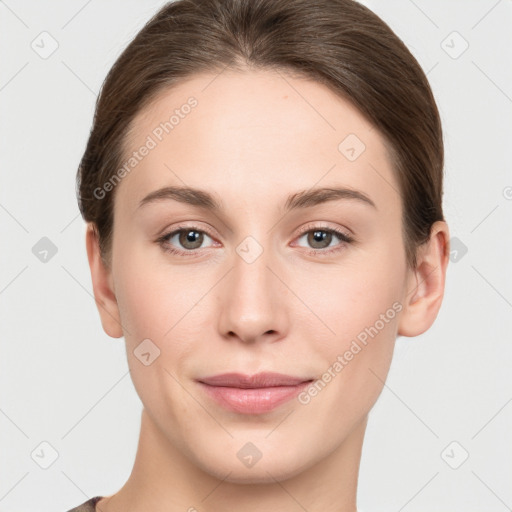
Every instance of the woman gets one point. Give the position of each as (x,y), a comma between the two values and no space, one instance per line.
(263,191)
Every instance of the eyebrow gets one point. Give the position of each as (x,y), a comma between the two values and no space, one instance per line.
(300,199)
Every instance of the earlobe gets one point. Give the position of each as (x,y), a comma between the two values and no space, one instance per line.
(425,285)
(102,284)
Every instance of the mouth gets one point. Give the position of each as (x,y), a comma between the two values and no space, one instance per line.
(254,394)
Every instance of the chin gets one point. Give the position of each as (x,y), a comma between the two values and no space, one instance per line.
(268,470)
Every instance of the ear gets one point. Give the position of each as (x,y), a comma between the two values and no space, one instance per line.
(102,283)
(425,284)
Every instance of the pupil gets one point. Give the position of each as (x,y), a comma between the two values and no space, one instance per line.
(189,239)
(319,237)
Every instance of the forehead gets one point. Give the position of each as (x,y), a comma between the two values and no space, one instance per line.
(256,133)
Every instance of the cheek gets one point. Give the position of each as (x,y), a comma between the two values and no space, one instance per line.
(167,306)
(159,310)
(154,296)
(362,309)
(358,310)
(348,299)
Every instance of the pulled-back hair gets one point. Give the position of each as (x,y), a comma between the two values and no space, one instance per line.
(339,43)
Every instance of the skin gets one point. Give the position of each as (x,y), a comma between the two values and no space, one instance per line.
(254,138)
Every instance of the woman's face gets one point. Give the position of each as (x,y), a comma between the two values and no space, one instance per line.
(262,282)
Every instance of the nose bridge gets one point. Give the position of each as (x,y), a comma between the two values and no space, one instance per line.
(249,305)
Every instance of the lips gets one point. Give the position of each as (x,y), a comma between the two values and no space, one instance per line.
(252,394)
(260,380)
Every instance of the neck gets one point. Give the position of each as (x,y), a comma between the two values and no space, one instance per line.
(165,479)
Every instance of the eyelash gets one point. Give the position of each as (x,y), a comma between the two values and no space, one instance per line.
(344,237)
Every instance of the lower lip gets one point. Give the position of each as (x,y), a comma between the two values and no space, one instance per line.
(252,400)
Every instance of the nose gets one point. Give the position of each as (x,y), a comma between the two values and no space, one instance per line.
(252,301)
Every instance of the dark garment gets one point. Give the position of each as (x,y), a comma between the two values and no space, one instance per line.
(87,506)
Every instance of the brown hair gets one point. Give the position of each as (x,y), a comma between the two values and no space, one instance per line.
(339,43)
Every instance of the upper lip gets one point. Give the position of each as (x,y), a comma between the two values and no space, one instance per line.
(259,380)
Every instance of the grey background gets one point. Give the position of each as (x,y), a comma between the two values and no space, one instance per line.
(66,383)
